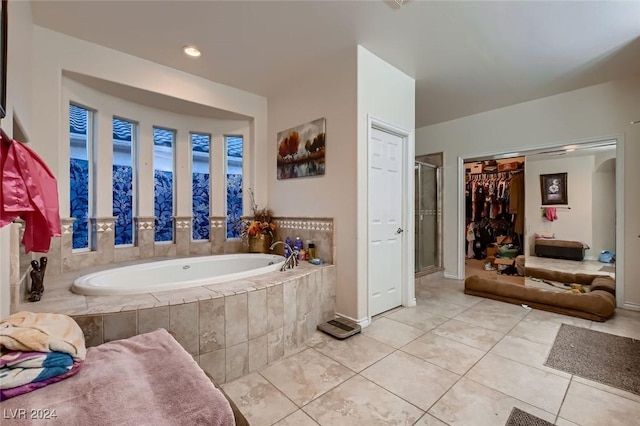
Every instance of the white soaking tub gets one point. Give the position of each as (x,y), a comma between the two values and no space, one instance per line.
(175,274)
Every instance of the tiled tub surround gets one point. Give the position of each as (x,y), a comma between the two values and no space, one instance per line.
(63,259)
(231,329)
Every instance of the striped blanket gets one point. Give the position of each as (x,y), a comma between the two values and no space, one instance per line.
(42,332)
(37,350)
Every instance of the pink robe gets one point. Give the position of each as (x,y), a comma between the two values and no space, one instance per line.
(29,190)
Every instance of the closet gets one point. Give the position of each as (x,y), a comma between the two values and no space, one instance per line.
(494,206)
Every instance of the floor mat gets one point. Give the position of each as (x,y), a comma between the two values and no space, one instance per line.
(601,357)
(522,418)
(611,269)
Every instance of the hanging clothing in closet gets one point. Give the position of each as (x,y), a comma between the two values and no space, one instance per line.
(516,202)
(30,191)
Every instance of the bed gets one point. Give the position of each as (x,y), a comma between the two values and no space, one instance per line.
(560,249)
(598,304)
(147,379)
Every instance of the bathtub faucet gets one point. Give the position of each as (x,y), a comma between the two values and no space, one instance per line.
(291,260)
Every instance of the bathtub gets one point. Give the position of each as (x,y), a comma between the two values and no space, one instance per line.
(175,274)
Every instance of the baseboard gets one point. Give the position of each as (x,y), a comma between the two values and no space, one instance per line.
(363,322)
(631,306)
(411,303)
(450,275)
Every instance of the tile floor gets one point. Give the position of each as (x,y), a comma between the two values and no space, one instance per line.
(452,360)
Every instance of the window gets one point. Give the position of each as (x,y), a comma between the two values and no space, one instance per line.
(80,173)
(123,179)
(163,141)
(234,184)
(200,144)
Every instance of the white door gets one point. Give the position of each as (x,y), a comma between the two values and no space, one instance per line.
(385,221)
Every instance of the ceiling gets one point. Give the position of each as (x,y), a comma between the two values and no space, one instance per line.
(466,57)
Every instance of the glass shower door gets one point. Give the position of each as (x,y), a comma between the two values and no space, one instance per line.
(427,217)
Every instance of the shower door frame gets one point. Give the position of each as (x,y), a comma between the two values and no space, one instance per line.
(439,244)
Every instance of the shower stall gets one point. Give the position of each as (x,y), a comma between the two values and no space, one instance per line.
(428,218)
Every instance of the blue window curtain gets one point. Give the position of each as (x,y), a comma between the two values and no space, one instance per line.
(123,136)
(163,140)
(234,184)
(79,135)
(200,154)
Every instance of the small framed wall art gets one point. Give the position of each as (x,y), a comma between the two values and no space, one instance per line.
(554,189)
(301,150)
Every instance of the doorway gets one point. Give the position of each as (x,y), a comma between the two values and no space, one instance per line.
(428,214)
(387,237)
(535,207)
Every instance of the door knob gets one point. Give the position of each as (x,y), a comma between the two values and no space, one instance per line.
(399,231)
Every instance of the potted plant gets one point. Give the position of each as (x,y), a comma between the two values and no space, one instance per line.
(258,232)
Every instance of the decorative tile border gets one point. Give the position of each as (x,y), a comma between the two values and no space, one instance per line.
(104,226)
(310,224)
(183,224)
(67,225)
(217,222)
(145,222)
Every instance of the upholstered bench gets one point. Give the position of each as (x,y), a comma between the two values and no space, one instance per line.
(560,249)
(598,304)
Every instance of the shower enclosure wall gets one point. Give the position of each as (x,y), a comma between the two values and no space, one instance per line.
(428,218)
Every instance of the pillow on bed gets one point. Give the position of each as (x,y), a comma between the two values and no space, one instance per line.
(545,235)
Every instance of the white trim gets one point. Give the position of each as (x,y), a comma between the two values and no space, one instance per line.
(620,153)
(451,275)
(408,148)
(631,306)
(363,322)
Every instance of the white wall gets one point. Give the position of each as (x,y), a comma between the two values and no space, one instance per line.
(387,94)
(574,224)
(597,111)
(19,49)
(330,92)
(54,52)
(604,212)
(106,107)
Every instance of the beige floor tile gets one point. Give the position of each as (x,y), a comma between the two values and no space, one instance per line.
(623,323)
(391,332)
(318,337)
(258,400)
(475,336)
(411,378)
(589,406)
(429,420)
(496,316)
(306,375)
(299,418)
(607,388)
(470,403)
(449,354)
(357,352)
(536,332)
(438,307)
(419,317)
(527,352)
(551,319)
(531,385)
(565,422)
(361,402)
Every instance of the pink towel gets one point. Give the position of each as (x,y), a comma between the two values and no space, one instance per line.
(550,214)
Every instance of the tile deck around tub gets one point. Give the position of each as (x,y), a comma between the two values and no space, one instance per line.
(231,328)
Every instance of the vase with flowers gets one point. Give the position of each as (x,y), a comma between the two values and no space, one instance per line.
(258,232)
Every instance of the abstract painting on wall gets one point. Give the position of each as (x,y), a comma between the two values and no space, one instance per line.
(301,150)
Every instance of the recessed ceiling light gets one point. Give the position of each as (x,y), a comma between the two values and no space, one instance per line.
(192,51)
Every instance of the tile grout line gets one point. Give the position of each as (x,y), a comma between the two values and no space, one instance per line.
(564,397)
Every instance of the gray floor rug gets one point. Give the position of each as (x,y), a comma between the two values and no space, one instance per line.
(608,269)
(522,418)
(601,357)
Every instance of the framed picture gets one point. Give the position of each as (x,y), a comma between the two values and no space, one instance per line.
(301,150)
(554,189)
